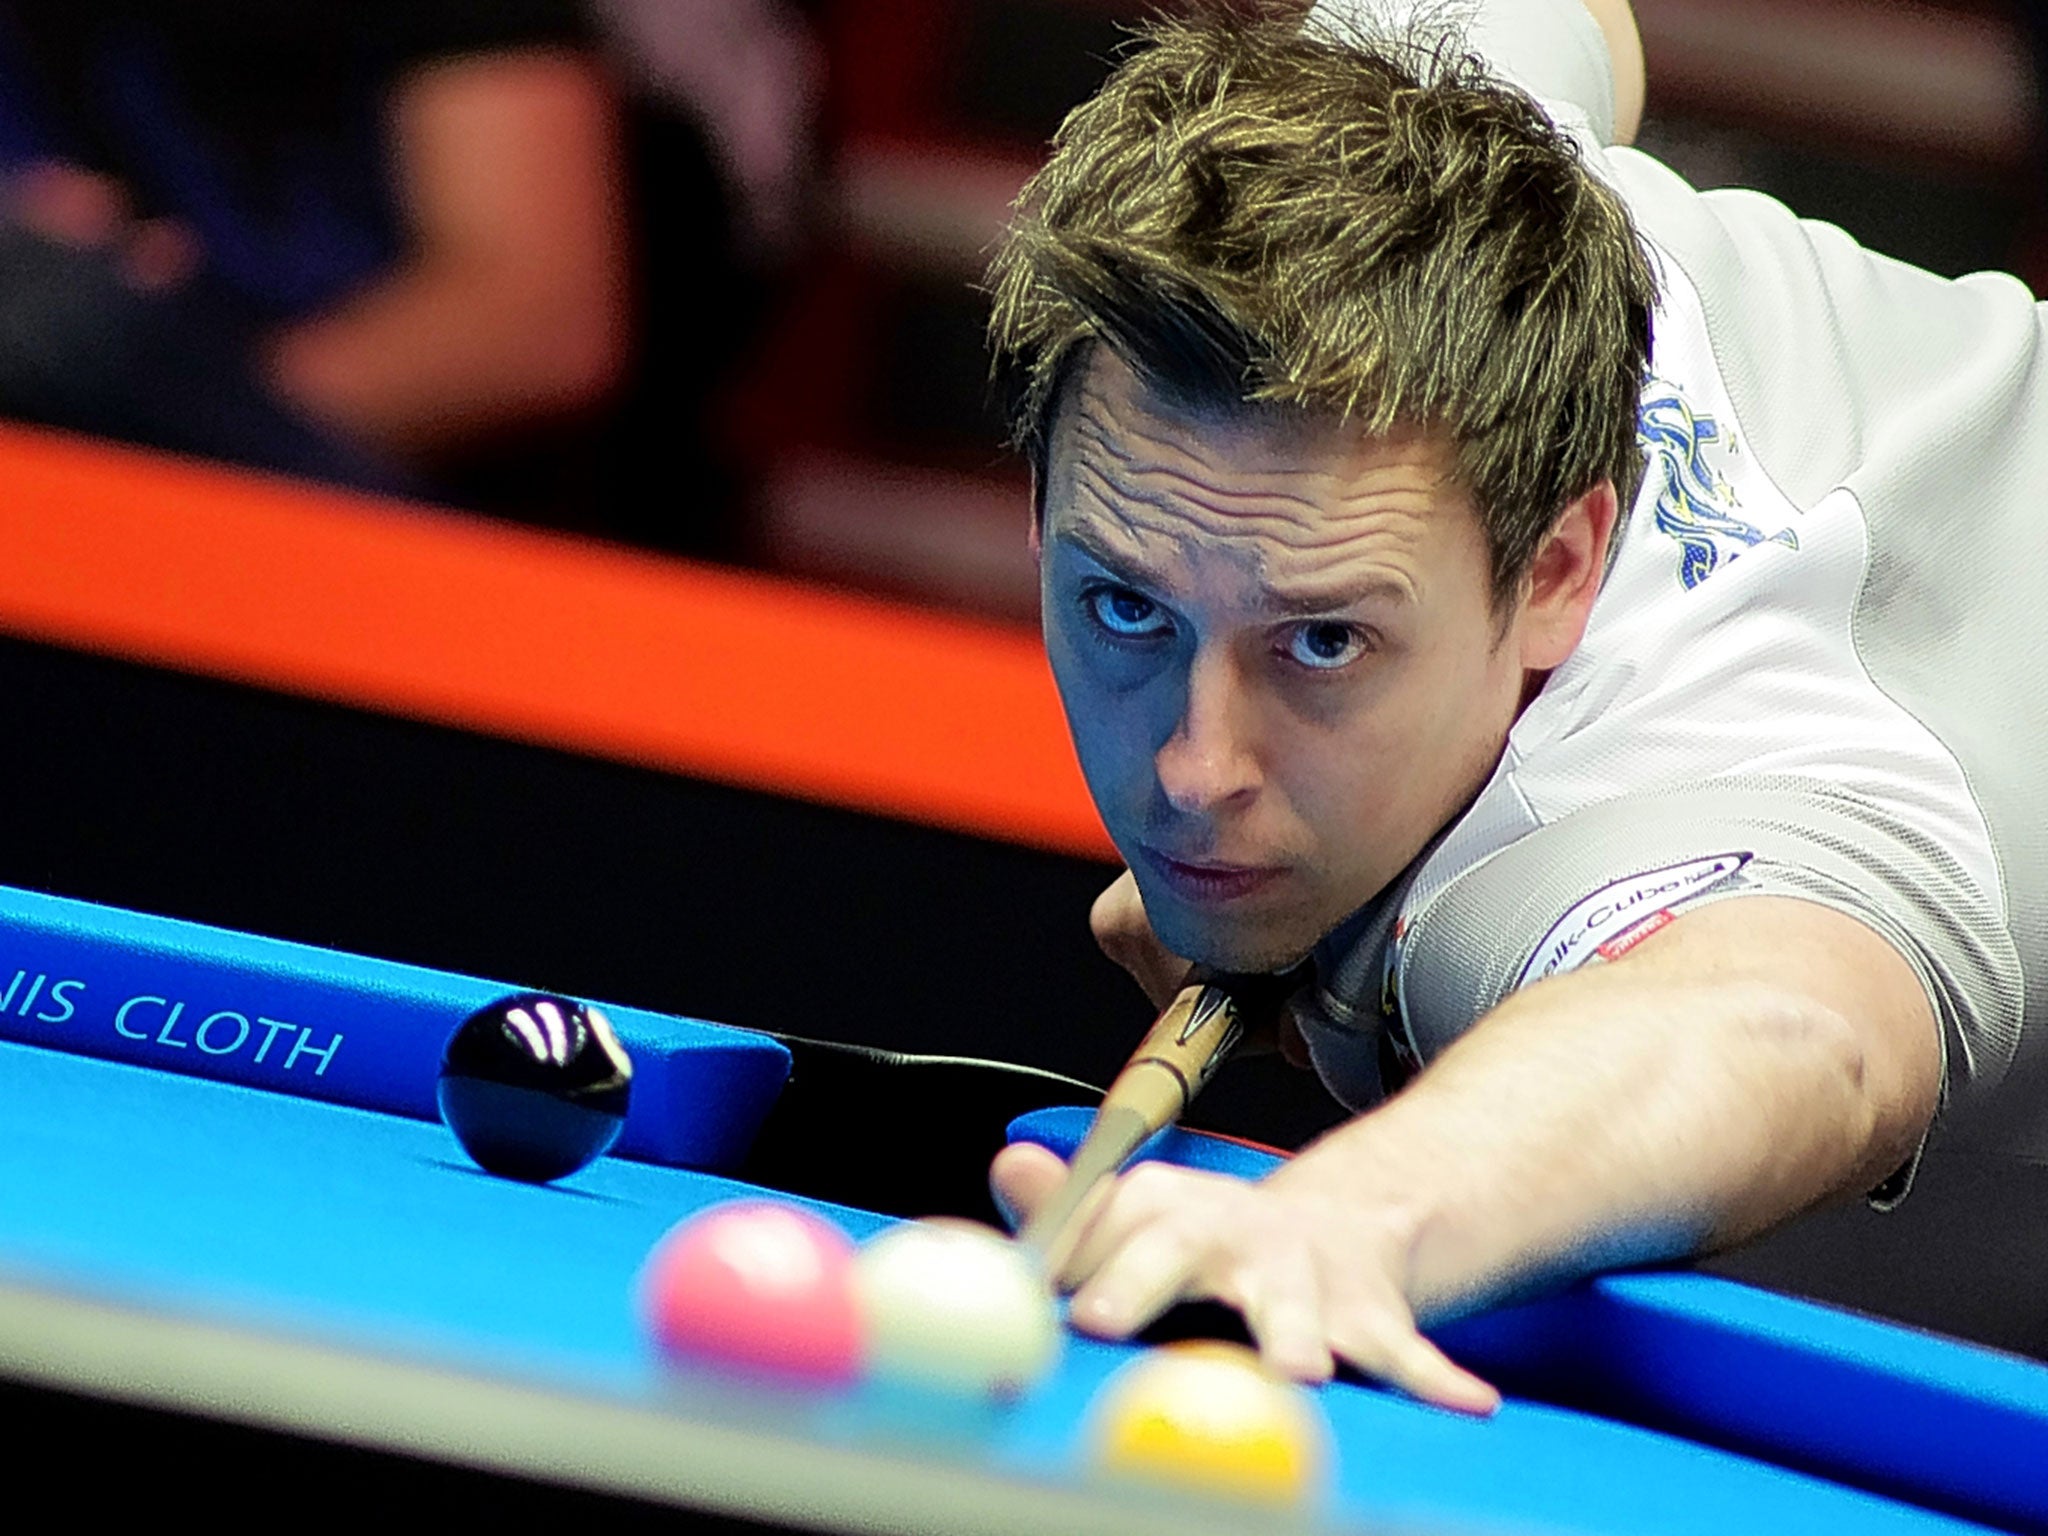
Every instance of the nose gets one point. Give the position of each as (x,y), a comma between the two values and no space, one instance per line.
(1209,759)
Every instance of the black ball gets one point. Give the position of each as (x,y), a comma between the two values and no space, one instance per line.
(534,1086)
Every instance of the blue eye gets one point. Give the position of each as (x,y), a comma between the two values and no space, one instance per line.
(1326,645)
(1125,613)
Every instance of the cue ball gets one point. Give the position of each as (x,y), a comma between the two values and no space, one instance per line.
(1209,1417)
(759,1285)
(956,1307)
(534,1087)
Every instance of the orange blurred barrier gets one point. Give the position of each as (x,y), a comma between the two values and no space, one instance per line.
(537,637)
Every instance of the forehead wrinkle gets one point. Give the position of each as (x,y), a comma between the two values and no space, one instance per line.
(1113,523)
(1314,538)
(1301,574)
(1185,478)
(1308,587)
(1404,488)
(1185,518)
(1222,519)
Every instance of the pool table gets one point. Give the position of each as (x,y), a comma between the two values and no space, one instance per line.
(311,1256)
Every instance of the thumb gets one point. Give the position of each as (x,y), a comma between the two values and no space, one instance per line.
(1022,1178)
(1125,935)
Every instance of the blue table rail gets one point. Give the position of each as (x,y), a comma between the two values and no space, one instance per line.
(207,1002)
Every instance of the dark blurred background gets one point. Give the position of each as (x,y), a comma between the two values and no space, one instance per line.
(700,274)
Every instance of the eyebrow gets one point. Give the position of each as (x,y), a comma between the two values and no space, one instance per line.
(1301,603)
(1091,545)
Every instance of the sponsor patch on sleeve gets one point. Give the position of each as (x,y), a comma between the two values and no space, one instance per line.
(1617,917)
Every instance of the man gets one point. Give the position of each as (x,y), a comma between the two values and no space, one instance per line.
(1687,840)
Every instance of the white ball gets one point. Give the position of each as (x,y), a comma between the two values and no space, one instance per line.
(955,1306)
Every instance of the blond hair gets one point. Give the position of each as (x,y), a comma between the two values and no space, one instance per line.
(1253,215)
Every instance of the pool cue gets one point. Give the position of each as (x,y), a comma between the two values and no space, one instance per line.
(1180,1053)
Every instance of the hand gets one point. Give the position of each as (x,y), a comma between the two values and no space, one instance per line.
(76,207)
(1318,1275)
(1125,935)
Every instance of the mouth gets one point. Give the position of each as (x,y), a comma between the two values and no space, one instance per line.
(1211,882)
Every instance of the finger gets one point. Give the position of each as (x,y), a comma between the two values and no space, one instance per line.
(1150,1271)
(1425,1371)
(1148,1193)
(1124,933)
(1116,912)
(1282,1304)
(1022,1178)
(1391,1350)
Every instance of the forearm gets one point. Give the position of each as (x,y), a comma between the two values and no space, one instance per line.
(446,350)
(1627,1113)
(512,304)
(1617,19)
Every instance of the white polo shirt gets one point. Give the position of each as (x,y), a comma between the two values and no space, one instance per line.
(1815,666)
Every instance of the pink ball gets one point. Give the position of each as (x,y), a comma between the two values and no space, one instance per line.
(758,1285)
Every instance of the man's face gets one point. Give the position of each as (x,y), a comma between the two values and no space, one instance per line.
(1278,654)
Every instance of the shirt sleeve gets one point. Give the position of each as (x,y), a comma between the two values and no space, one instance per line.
(1586,889)
(1553,49)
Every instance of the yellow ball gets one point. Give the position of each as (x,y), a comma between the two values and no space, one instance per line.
(1210,1418)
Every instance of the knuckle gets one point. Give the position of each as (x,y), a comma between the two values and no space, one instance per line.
(1372,1337)
(1151,1183)
(1117,910)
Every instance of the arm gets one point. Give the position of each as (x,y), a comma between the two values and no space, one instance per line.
(1617,20)
(1755,1058)
(512,302)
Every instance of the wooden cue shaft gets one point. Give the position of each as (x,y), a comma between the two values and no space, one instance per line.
(1179,1054)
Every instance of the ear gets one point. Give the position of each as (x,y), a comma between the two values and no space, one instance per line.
(1564,578)
(1037,516)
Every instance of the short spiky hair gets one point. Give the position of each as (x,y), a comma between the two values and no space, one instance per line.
(1375,231)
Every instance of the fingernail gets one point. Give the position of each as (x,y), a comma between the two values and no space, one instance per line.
(1102,1314)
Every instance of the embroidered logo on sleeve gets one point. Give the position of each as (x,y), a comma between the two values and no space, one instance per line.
(1617,917)
(1696,506)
